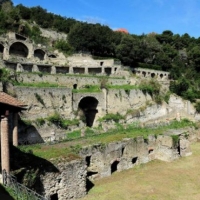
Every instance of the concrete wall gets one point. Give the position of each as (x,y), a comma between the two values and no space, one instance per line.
(68,81)
(69,183)
(54,99)
(148,73)
(121,100)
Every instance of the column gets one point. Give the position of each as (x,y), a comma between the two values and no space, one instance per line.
(5,151)
(15,129)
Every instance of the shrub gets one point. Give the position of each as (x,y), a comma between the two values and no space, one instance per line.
(40,121)
(57,120)
(39,98)
(111,116)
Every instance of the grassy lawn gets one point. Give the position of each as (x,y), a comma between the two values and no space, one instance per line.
(157,180)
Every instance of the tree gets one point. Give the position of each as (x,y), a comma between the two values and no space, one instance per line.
(194,56)
(5,78)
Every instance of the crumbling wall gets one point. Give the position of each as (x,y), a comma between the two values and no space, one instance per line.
(42,102)
(69,183)
(134,151)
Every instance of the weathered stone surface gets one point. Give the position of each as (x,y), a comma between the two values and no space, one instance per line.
(69,183)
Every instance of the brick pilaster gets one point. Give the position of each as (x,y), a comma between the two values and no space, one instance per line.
(5,151)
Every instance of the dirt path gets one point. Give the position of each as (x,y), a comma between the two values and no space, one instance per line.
(178,180)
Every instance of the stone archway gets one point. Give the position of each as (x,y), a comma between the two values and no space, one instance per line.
(89,107)
(39,53)
(18,49)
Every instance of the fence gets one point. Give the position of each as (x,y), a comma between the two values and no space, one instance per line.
(20,191)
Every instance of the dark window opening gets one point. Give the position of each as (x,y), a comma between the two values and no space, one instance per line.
(134,160)
(44,68)
(94,70)
(54,197)
(152,75)
(179,148)
(87,159)
(88,105)
(114,166)
(62,70)
(161,76)
(75,86)
(144,74)
(101,63)
(123,150)
(38,53)
(151,151)
(20,37)
(52,56)
(1,48)
(78,70)
(108,71)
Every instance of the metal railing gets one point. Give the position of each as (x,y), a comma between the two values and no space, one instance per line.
(20,191)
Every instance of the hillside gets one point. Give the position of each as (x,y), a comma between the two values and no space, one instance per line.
(96,100)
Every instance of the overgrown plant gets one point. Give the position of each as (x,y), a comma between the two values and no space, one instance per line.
(39,99)
(111,116)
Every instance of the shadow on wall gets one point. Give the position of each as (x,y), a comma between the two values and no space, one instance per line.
(28,134)
(28,168)
(88,105)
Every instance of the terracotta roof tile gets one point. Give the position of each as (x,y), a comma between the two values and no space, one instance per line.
(9,100)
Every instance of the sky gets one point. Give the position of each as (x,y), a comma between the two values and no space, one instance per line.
(137,16)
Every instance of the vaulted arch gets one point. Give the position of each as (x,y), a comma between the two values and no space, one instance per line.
(89,107)
(18,49)
(39,53)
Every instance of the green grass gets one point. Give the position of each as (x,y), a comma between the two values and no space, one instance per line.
(124,87)
(39,84)
(111,116)
(88,89)
(156,180)
(72,75)
(92,136)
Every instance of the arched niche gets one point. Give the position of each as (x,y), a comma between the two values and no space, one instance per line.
(144,73)
(89,107)
(153,75)
(18,49)
(39,53)
(1,48)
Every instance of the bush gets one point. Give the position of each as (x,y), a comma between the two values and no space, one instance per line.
(111,116)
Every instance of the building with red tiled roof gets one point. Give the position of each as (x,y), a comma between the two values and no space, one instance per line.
(10,101)
(122,30)
(9,106)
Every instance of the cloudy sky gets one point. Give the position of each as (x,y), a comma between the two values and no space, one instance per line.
(137,16)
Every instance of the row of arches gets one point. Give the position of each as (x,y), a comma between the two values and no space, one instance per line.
(153,74)
(19,49)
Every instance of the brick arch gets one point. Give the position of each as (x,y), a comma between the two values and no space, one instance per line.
(18,49)
(39,53)
(88,105)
